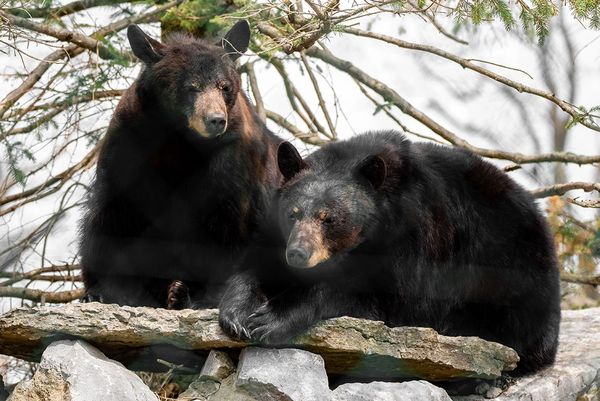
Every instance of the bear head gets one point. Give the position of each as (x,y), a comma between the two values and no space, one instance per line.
(194,82)
(325,212)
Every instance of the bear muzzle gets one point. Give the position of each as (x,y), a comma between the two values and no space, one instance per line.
(306,246)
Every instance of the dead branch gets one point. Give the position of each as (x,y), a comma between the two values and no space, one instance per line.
(565,106)
(310,138)
(393,97)
(587,203)
(561,189)
(67,9)
(66,35)
(579,278)
(41,296)
(74,50)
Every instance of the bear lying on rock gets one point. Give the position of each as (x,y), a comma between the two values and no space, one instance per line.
(413,234)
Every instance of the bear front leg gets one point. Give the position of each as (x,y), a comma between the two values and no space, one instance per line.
(242,296)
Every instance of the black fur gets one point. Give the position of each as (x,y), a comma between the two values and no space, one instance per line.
(446,240)
(168,203)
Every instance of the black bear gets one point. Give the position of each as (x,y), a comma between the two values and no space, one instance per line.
(184,175)
(413,234)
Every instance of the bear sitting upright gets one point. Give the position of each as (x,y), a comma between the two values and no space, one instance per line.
(184,175)
(413,234)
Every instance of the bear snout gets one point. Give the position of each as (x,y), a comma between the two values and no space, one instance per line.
(215,123)
(297,257)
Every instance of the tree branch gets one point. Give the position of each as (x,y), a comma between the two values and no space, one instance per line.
(73,50)
(579,278)
(561,189)
(41,296)
(565,106)
(66,35)
(67,9)
(392,96)
(309,138)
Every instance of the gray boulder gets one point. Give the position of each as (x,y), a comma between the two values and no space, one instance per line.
(282,375)
(381,391)
(75,371)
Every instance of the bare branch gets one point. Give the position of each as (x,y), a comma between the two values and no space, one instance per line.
(260,106)
(309,138)
(565,106)
(579,279)
(67,9)
(74,50)
(66,35)
(41,296)
(588,203)
(561,189)
(392,96)
(315,84)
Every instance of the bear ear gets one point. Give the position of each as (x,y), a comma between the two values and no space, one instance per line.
(289,160)
(374,170)
(144,47)
(236,41)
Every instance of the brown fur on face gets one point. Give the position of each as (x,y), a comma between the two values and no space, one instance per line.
(309,235)
(208,102)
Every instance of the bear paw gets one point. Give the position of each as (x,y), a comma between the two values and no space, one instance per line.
(268,327)
(91,296)
(178,296)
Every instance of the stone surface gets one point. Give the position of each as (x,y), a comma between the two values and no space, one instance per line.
(139,336)
(370,350)
(72,370)
(576,374)
(218,366)
(200,389)
(282,375)
(381,391)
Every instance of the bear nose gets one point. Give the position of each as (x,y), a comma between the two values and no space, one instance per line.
(297,257)
(215,123)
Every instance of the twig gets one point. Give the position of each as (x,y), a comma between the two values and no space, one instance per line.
(260,106)
(310,138)
(579,279)
(587,203)
(315,84)
(565,106)
(561,189)
(41,296)
(392,96)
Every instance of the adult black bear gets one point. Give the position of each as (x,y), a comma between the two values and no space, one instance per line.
(409,233)
(183,178)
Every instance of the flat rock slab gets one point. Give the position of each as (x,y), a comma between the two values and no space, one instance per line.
(575,376)
(138,337)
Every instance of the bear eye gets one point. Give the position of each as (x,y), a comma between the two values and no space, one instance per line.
(325,218)
(295,213)
(225,87)
(194,87)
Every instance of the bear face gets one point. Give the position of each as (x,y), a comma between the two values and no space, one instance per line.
(193,81)
(324,214)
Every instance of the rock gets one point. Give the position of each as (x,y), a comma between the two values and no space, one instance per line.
(138,337)
(576,374)
(370,350)
(218,366)
(282,375)
(381,391)
(200,389)
(230,392)
(75,371)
